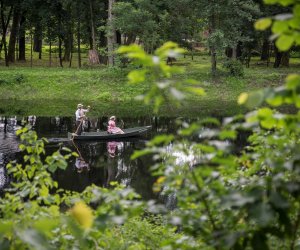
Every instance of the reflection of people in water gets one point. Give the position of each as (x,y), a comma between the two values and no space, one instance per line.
(32,120)
(114,149)
(111,148)
(80,164)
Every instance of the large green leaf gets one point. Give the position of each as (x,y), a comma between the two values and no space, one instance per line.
(285,42)
(263,23)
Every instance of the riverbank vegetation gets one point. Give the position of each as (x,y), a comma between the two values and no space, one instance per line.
(55,91)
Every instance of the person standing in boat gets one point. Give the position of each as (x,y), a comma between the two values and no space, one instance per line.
(112,128)
(80,117)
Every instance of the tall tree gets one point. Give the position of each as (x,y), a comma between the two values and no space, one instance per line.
(22,41)
(4,25)
(78,12)
(111,33)
(93,53)
(14,32)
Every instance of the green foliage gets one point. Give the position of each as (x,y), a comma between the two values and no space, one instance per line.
(234,67)
(248,200)
(3,81)
(157,74)
(155,22)
(284,26)
(36,214)
(104,96)
(230,201)
(19,78)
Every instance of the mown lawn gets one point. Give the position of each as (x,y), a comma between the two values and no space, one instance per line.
(46,91)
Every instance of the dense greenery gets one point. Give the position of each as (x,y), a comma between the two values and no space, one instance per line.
(27,91)
(95,27)
(227,197)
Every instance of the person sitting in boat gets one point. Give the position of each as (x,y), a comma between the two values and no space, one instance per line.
(112,128)
(80,117)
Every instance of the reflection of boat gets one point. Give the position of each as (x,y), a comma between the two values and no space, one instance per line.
(103,135)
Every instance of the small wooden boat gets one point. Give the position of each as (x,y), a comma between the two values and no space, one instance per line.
(104,135)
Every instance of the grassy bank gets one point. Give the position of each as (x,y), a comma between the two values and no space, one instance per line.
(52,91)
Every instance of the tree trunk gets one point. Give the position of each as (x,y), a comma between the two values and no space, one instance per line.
(36,42)
(67,43)
(285,60)
(4,29)
(40,52)
(239,50)
(278,57)
(68,40)
(31,49)
(265,51)
(228,52)
(78,35)
(71,46)
(4,25)
(71,57)
(234,53)
(50,53)
(103,44)
(213,61)
(130,39)
(22,56)
(118,37)
(93,54)
(17,47)
(37,38)
(192,50)
(111,34)
(13,35)
(60,51)
(212,46)
(60,41)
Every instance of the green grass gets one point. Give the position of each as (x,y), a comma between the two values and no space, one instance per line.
(46,91)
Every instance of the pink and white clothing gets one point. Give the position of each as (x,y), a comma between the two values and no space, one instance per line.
(112,128)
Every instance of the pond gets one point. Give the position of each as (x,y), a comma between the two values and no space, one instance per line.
(99,162)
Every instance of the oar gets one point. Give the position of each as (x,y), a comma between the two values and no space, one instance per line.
(73,135)
(77,149)
(79,126)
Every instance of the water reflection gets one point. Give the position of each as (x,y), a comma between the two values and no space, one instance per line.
(80,163)
(112,147)
(101,163)
(97,162)
(3,173)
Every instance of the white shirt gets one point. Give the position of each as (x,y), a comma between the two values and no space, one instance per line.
(80,113)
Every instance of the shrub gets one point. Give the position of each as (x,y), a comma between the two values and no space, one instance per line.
(19,78)
(3,81)
(234,67)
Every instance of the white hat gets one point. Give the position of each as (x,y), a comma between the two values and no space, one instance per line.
(112,118)
(79,105)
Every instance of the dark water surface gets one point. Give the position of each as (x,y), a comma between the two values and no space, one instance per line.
(99,162)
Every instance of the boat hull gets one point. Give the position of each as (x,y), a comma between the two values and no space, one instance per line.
(103,135)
